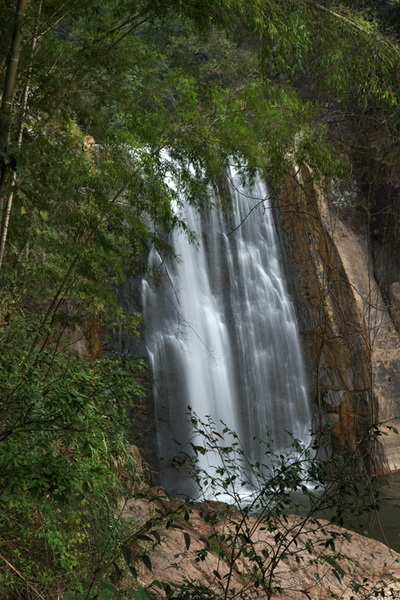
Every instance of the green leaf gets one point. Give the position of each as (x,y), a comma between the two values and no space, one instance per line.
(139,594)
(105,585)
(146,561)
(109,591)
(187,539)
(127,554)
(156,536)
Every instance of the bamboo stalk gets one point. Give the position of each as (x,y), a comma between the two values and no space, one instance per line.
(6,133)
(7,100)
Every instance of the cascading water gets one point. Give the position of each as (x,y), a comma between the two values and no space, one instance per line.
(221,331)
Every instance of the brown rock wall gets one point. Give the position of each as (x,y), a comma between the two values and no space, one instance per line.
(333,329)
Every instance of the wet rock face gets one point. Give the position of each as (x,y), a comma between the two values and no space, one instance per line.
(385,244)
(332,328)
(394,299)
(385,236)
(125,344)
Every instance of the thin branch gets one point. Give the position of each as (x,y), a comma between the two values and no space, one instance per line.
(369,34)
(38,594)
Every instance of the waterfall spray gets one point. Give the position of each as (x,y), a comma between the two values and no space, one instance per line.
(221,331)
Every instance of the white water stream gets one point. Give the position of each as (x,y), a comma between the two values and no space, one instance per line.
(221,331)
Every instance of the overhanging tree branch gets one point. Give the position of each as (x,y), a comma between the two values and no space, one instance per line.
(385,42)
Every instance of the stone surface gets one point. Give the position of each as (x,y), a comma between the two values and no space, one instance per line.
(351,342)
(384,341)
(312,560)
(394,297)
(333,328)
(384,206)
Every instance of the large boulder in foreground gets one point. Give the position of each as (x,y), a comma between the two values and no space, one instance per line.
(224,555)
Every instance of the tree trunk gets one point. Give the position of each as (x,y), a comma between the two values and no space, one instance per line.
(8,95)
(6,115)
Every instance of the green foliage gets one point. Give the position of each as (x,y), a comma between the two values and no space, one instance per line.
(285,507)
(111,100)
(190,590)
(65,462)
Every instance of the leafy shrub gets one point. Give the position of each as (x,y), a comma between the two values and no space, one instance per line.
(65,464)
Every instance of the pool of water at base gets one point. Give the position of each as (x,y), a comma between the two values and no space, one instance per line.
(382,525)
(385,524)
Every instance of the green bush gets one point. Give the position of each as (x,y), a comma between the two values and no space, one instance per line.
(65,465)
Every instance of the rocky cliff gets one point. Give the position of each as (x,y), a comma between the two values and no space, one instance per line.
(348,332)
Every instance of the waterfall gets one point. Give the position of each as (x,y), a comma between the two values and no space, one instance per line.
(221,331)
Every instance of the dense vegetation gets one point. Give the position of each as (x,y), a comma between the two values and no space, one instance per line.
(99,100)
